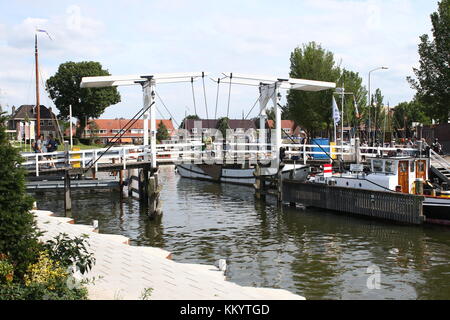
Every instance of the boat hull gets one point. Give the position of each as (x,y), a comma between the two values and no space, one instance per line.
(243,176)
(437,210)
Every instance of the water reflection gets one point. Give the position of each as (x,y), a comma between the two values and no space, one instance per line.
(313,253)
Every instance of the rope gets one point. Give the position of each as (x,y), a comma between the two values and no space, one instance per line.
(121,133)
(193,95)
(217,97)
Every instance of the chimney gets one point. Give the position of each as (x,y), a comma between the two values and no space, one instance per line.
(13,110)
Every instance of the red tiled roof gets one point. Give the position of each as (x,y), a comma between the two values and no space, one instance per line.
(117,124)
(284,124)
(110,124)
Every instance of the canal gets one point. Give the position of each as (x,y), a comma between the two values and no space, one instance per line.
(317,254)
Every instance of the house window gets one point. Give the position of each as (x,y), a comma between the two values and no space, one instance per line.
(194,130)
(287,130)
(136,131)
(115,131)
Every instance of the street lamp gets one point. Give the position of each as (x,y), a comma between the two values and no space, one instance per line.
(370,101)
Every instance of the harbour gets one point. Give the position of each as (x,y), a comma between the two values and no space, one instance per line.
(313,253)
(208,154)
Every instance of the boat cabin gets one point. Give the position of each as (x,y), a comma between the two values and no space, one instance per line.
(403,171)
(395,174)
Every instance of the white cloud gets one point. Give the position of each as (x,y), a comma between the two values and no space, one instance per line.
(247,37)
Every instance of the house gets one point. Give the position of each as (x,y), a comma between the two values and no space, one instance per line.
(104,130)
(288,129)
(23,121)
(194,126)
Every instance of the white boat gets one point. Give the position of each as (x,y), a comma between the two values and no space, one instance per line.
(396,174)
(238,174)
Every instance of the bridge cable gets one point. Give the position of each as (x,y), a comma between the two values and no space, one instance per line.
(229,95)
(204,95)
(167,109)
(121,132)
(217,97)
(193,95)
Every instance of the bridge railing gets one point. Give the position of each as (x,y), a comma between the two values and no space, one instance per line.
(307,151)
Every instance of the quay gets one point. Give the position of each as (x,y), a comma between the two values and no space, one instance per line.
(123,271)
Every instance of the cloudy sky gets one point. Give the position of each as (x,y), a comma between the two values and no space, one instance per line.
(245,36)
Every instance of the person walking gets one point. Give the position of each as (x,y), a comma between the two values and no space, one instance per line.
(51,147)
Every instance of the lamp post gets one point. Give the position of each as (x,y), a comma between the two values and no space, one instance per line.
(370,101)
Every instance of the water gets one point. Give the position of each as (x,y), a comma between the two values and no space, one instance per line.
(314,253)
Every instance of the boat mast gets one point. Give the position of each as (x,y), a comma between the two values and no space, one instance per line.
(38,107)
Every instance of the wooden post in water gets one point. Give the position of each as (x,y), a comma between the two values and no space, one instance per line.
(67,196)
(121,183)
(154,205)
(279,187)
(259,184)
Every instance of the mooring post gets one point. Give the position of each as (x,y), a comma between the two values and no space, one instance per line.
(280,187)
(357,151)
(259,184)
(67,196)
(121,183)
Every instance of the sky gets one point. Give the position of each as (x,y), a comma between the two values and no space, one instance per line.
(242,36)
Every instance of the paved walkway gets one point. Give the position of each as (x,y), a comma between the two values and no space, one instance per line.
(127,271)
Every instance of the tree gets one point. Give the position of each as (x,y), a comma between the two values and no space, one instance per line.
(64,89)
(18,233)
(352,82)
(191,116)
(162,133)
(433,74)
(223,125)
(312,110)
(405,114)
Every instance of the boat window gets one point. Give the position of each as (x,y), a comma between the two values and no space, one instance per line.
(421,166)
(403,166)
(377,165)
(389,166)
(412,167)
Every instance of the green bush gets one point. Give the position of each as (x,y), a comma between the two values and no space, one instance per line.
(38,291)
(71,252)
(86,141)
(18,233)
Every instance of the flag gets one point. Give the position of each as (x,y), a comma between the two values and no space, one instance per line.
(44,31)
(335,112)
(356,108)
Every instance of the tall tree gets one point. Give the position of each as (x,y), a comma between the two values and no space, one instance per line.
(312,110)
(405,114)
(433,74)
(352,82)
(378,114)
(64,89)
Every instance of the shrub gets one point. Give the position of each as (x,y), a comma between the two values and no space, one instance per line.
(45,271)
(18,233)
(71,252)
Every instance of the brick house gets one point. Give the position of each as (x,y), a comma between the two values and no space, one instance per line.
(106,129)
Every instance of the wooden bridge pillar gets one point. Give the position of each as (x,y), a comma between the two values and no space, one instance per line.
(260,192)
(149,191)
